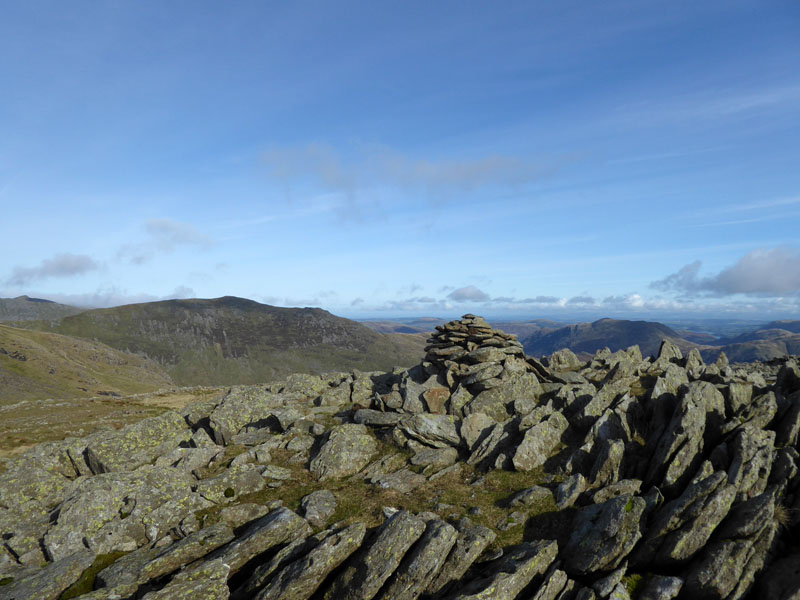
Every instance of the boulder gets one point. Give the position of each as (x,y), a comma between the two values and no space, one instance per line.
(366,571)
(138,444)
(51,581)
(318,507)
(472,540)
(509,575)
(347,449)
(301,578)
(603,535)
(540,442)
(437,431)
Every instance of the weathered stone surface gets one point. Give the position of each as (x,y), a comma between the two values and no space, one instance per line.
(239,514)
(540,442)
(318,507)
(681,528)
(208,582)
(300,579)
(368,569)
(494,402)
(752,451)
(511,573)
(277,527)
(604,534)
(608,464)
(660,587)
(421,563)
(346,451)
(472,540)
(51,581)
(438,431)
(536,495)
(474,428)
(436,458)
(243,406)
(119,511)
(567,492)
(138,444)
(404,481)
(376,418)
(232,483)
(149,563)
(697,420)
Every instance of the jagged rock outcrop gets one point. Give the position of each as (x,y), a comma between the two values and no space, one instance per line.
(480,473)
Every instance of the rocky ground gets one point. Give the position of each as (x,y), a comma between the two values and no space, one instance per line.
(480,473)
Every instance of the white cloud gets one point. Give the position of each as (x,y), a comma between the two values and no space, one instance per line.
(762,272)
(469,294)
(164,235)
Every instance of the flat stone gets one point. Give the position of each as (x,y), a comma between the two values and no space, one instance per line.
(346,451)
(301,578)
(51,581)
(438,431)
(318,507)
(512,573)
(368,569)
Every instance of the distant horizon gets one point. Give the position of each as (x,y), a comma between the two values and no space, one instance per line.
(563,317)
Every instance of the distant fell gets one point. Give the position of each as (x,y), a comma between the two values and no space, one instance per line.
(232,340)
(616,334)
(24,308)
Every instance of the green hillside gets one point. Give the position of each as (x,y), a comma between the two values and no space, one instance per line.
(237,341)
(37,365)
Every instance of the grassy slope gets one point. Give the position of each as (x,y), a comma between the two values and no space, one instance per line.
(58,366)
(235,341)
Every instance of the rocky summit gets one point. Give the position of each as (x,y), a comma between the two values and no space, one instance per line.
(480,473)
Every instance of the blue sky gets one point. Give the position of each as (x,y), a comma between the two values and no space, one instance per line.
(635,159)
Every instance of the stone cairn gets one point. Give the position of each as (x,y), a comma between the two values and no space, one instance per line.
(470,353)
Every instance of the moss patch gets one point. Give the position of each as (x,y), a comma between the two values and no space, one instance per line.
(85,584)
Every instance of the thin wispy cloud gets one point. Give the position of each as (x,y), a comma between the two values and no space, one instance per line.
(163,237)
(469,294)
(60,266)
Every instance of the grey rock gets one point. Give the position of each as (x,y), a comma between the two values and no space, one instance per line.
(301,578)
(608,464)
(752,451)
(563,360)
(113,511)
(376,418)
(536,495)
(318,507)
(403,481)
(244,406)
(51,581)
(208,582)
(232,483)
(620,488)
(471,542)
(511,573)
(494,402)
(366,571)
(788,429)
(475,427)
(270,531)
(138,444)
(697,419)
(484,454)
(540,442)
(661,587)
(605,585)
(604,534)
(553,584)
(438,431)
(346,451)
(436,458)
(567,492)
(239,514)
(150,563)
(421,563)
(681,528)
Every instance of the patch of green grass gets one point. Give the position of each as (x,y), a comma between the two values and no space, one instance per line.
(85,583)
(633,583)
